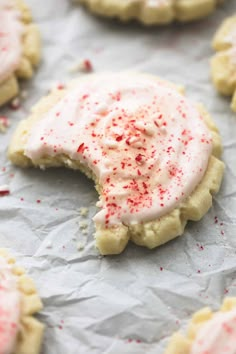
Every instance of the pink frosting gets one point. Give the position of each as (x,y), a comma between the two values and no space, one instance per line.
(217,336)
(147,144)
(11,31)
(9,308)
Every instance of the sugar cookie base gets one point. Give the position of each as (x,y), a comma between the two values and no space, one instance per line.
(149,234)
(223,68)
(31,53)
(182,344)
(30,334)
(171,10)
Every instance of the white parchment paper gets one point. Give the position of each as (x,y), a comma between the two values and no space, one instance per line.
(130,303)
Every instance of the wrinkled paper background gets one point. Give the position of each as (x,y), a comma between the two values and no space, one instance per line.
(130,303)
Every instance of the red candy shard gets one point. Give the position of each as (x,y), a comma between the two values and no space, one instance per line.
(81,148)
(4,190)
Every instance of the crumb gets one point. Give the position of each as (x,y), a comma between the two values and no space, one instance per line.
(24,94)
(15,104)
(84,232)
(83,225)
(99,204)
(80,246)
(83,211)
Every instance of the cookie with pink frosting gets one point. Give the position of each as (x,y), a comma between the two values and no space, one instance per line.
(20,332)
(19,47)
(223,63)
(209,332)
(152,153)
(153,12)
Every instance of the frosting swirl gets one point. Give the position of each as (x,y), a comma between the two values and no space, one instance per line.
(147,145)
(9,308)
(11,31)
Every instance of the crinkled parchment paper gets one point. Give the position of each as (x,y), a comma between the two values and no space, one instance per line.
(130,303)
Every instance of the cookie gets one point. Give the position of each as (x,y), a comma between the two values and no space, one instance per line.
(208,332)
(153,12)
(19,47)
(20,332)
(223,63)
(152,153)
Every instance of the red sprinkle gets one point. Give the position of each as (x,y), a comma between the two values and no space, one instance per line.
(4,193)
(81,148)
(119,138)
(4,121)
(60,87)
(87,65)
(139,158)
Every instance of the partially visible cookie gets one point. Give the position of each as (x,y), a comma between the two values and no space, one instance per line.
(208,333)
(223,63)
(152,153)
(153,12)
(20,332)
(20,47)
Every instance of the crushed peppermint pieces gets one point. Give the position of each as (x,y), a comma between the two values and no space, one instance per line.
(4,190)
(57,86)
(83,66)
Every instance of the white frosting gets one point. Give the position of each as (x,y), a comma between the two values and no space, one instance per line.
(11,31)
(217,336)
(9,308)
(145,142)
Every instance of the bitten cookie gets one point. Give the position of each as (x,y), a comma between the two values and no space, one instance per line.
(153,12)
(153,154)
(223,63)
(20,332)
(19,47)
(208,332)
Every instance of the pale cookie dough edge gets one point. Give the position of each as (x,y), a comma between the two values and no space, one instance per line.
(223,68)
(183,11)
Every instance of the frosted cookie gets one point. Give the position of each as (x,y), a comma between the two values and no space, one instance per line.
(152,153)
(20,332)
(223,63)
(151,12)
(208,332)
(19,47)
